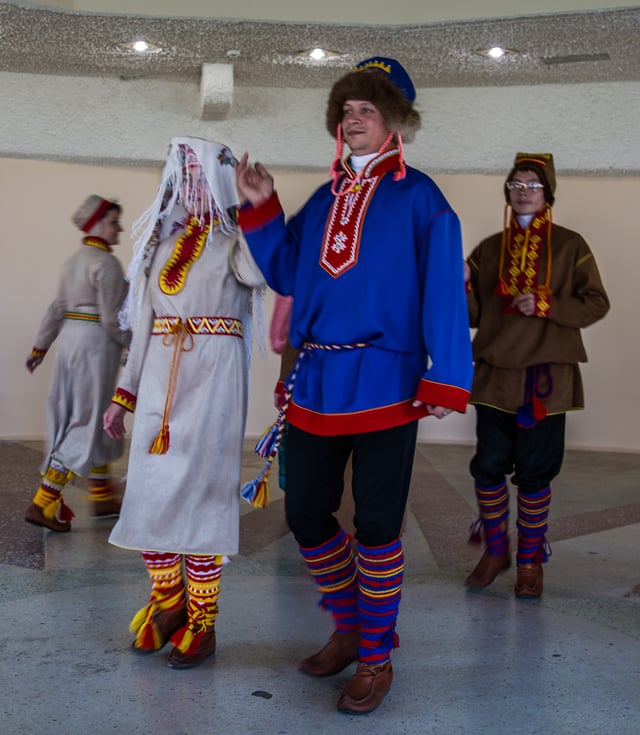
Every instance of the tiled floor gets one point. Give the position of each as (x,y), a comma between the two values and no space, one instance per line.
(468,662)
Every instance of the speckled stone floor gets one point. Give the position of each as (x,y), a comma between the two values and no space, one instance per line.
(468,662)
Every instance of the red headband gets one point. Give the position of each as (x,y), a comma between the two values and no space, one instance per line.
(97,215)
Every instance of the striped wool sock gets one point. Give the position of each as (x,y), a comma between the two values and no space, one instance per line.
(380,571)
(533,511)
(493,503)
(49,494)
(203,587)
(167,593)
(333,567)
(100,484)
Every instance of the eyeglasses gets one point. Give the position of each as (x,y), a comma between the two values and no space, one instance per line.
(521,186)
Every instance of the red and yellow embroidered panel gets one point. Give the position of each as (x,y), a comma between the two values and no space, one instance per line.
(186,251)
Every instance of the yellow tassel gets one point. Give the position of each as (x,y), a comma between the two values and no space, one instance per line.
(185,641)
(261,499)
(50,510)
(139,618)
(160,444)
(148,637)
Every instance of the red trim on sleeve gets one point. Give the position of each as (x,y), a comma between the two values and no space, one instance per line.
(254,218)
(439,394)
(124,398)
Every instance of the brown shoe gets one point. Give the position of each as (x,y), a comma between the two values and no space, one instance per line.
(487,569)
(340,651)
(529,580)
(35,516)
(366,689)
(206,647)
(105,508)
(166,622)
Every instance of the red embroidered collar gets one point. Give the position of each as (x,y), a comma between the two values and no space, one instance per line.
(341,241)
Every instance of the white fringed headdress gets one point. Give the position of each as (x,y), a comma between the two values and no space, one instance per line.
(218,166)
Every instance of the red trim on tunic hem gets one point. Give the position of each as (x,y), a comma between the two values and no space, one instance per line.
(358,422)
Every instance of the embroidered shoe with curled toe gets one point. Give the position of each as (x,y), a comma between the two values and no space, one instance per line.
(487,569)
(366,689)
(204,645)
(340,651)
(36,517)
(529,581)
(166,623)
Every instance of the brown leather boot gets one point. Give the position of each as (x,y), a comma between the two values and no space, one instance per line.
(487,569)
(36,517)
(167,622)
(529,580)
(340,651)
(366,689)
(206,647)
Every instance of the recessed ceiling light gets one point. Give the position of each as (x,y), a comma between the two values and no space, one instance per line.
(496,52)
(233,53)
(318,54)
(140,46)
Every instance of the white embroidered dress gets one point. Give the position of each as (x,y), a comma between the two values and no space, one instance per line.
(187,500)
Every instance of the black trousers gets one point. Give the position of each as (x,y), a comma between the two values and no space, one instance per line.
(534,455)
(382,462)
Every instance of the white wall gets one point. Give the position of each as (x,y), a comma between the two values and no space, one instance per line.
(591,128)
(38,197)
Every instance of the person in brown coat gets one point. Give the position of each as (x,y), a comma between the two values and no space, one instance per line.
(531,289)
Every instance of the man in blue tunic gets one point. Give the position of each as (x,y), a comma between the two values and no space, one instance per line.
(374,263)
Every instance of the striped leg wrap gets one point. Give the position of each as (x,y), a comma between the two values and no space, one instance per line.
(533,511)
(380,571)
(49,494)
(99,483)
(494,517)
(203,586)
(334,570)
(167,593)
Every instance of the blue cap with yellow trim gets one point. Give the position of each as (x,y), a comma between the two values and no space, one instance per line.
(394,71)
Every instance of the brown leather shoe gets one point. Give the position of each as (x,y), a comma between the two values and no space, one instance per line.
(167,622)
(36,517)
(340,651)
(105,508)
(487,569)
(529,580)
(206,648)
(366,689)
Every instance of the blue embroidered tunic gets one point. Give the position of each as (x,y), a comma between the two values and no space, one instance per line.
(376,273)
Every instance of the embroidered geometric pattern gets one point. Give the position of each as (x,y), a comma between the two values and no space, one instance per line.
(341,242)
(200,325)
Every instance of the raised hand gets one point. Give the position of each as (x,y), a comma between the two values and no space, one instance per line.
(254,183)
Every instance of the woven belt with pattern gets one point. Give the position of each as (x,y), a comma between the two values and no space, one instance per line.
(200,325)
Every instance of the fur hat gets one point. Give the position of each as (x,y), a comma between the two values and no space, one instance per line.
(383,82)
(91,211)
(542,165)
